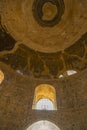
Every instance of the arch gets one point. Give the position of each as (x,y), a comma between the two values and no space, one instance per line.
(67,73)
(43,125)
(45,91)
(1,76)
(71,72)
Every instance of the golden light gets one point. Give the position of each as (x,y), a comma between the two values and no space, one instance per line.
(1,76)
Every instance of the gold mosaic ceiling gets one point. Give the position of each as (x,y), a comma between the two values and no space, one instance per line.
(43,38)
(59,25)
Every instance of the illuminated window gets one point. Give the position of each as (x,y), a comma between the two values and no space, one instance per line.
(44,104)
(19,71)
(71,72)
(43,125)
(44,98)
(67,73)
(61,76)
(1,76)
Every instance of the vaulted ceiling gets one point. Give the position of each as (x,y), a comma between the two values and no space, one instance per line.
(43,39)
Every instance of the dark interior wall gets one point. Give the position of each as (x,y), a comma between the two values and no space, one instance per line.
(16,98)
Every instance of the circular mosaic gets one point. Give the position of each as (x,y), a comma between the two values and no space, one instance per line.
(46,26)
(48,12)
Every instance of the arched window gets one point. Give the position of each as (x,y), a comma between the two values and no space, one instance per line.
(43,125)
(44,98)
(71,72)
(1,76)
(67,73)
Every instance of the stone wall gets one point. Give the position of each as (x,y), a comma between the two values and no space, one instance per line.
(16,98)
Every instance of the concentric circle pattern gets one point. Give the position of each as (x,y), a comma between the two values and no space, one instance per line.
(45,25)
(48,12)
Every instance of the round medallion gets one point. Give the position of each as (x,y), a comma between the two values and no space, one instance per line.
(48,12)
(44,25)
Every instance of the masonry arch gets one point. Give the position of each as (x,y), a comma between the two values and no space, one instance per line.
(43,125)
(44,97)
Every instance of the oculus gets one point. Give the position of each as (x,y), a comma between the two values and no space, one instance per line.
(48,12)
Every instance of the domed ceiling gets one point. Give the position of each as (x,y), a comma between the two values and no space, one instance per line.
(43,38)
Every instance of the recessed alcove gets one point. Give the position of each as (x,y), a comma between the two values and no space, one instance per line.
(44,98)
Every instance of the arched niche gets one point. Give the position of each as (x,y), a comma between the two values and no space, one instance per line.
(43,125)
(45,93)
(1,76)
